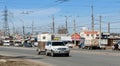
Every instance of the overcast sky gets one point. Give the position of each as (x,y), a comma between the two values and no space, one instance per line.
(41,11)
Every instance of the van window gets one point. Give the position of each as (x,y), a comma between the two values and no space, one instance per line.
(58,44)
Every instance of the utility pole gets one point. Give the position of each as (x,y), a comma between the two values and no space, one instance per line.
(23,28)
(108,27)
(100,31)
(23,31)
(66,24)
(74,32)
(6,26)
(32,27)
(92,26)
(53,24)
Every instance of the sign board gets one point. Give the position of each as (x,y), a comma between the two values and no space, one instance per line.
(57,38)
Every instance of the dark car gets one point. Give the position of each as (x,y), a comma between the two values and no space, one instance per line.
(27,44)
(116,46)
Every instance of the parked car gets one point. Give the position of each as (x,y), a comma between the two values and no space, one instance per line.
(6,42)
(116,46)
(17,44)
(70,45)
(27,45)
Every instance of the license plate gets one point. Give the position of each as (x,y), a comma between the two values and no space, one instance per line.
(62,52)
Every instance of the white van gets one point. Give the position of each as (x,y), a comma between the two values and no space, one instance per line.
(56,47)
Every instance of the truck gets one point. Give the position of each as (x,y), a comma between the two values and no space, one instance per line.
(94,44)
(94,39)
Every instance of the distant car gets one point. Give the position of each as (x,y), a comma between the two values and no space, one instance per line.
(27,45)
(6,43)
(70,45)
(116,46)
(17,44)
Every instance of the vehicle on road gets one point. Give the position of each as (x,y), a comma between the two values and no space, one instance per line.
(17,43)
(69,44)
(53,48)
(27,45)
(56,47)
(116,46)
(6,42)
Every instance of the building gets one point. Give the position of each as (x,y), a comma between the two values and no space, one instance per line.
(89,34)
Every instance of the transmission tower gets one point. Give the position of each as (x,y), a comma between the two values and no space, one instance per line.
(5,24)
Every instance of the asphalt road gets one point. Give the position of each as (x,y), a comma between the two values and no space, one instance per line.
(77,57)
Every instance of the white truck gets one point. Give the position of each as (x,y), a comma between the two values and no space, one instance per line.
(94,44)
(54,47)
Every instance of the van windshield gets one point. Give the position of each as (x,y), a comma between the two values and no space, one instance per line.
(58,44)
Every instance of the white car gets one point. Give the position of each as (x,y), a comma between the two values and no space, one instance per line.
(56,47)
(70,45)
(6,43)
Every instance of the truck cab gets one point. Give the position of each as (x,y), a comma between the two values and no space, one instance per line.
(56,47)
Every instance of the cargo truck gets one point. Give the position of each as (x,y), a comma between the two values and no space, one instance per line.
(94,44)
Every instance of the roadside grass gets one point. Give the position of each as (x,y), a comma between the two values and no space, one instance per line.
(9,61)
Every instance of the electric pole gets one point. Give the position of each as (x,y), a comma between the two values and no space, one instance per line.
(66,24)
(23,31)
(92,26)
(32,27)
(6,26)
(100,31)
(53,24)
(108,27)
(74,32)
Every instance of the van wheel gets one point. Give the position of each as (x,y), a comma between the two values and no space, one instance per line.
(46,53)
(52,54)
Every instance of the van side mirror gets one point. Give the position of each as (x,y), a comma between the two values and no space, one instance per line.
(49,44)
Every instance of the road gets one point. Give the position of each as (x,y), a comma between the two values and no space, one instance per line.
(77,57)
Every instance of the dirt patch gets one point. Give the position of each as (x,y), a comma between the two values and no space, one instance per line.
(7,61)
